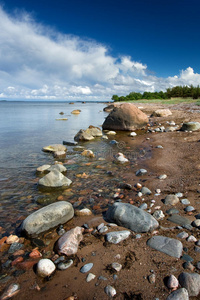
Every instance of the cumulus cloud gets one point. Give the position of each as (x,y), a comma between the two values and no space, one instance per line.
(36,62)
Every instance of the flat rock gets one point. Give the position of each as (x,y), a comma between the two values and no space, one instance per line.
(48,217)
(171,200)
(86,268)
(54,148)
(180,294)
(177,219)
(68,243)
(116,237)
(191,282)
(146,191)
(169,246)
(54,179)
(131,217)
(43,169)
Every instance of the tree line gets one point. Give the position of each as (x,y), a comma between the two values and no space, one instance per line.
(177,91)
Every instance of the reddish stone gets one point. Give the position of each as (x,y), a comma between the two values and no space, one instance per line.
(95,207)
(35,253)
(19,252)
(4,247)
(27,265)
(17,260)
(60,198)
(2,241)
(131,202)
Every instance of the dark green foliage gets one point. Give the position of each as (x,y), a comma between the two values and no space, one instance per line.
(177,91)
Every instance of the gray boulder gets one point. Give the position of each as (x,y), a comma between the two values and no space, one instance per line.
(48,217)
(190,126)
(54,179)
(191,282)
(125,117)
(131,217)
(169,246)
(180,294)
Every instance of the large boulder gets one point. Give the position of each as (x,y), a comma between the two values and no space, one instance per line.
(54,179)
(125,117)
(48,217)
(131,217)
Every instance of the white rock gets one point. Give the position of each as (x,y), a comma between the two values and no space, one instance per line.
(90,277)
(191,238)
(111,132)
(133,133)
(116,266)
(172,282)
(158,215)
(110,291)
(45,267)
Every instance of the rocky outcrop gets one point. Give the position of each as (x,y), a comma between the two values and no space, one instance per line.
(125,117)
(48,217)
(131,217)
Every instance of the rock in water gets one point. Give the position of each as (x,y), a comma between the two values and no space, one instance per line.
(131,217)
(54,148)
(191,282)
(48,217)
(45,267)
(11,291)
(181,294)
(54,179)
(68,243)
(125,117)
(166,245)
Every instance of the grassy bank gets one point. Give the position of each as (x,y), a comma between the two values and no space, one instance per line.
(166,101)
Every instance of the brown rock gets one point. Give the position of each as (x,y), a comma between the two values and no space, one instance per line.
(12,239)
(17,260)
(27,265)
(35,253)
(125,117)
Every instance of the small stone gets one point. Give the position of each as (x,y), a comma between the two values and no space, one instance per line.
(179,195)
(198,243)
(100,226)
(187,258)
(188,266)
(189,208)
(110,291)
(90,277)
(14,247)
(133,134)
(65,265)
(185,201)
(83,212)
(159,147)
(139,194)
(116,266)
(172,211)
(45,267)
(138,236)
(182,235)
(103,229)
(162,177)
(12,239)
(197,249)
(145,191)
(171,200)
(111,132)
(143,206)
(180,294)
(11,291)
(172,282)
(88,153)
(35,253)
(116,237)
(141,172)
(86,268)
(68,243)
(102,278)
(191,282)
(158,215)
(152,278)
(191,238)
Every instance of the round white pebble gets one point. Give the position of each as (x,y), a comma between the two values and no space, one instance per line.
(45,267)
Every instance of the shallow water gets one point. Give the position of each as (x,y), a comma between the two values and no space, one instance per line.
(26,127)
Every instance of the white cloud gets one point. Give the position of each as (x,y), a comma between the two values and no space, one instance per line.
(39,63)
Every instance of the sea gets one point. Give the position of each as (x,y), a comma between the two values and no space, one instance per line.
(25,128)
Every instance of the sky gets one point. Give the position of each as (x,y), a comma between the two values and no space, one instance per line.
(91,49)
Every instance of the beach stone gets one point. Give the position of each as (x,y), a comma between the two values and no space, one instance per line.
(59,154)
(145,191)
(190,126)
(179,195)
(54,148)
(172,282)
(177,219)
(196,223)
(188,265)
(86,268)
(191,238)
(43,168)
(70,143)
(57,167)
(109,108)
(45,267)
(125,117)
(113,142)
(158,215)
(82,135)
(116,266)
(197,249)
(162,177)
(54,179)
(90,277)
(189,208)
(133,134)
(172,211)
(76,111)
(159,147)
(11,291)
(162,113)
(182,235)
(83,212)
(171,200)
(14,247)
(143,206)
(65,265)
(169,246)
(187,258)
(68,243)
(94,131)
(170,129)
(110,291)
(12,239)
(152,278)
(191,282)
(116,237)
(121,158)
(197,216)
(185,201)
(180,294)
(141,172)
(88,153)
(48,217)
(131,217)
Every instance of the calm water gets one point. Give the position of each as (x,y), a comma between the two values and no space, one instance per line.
(26,127)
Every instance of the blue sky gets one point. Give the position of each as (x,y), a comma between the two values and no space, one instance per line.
(92,49)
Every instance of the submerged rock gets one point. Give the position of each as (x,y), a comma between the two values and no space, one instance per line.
(125,117)
(54,148)
(48,217)
(89,134)
(169,246)
(54,179)
(131,217)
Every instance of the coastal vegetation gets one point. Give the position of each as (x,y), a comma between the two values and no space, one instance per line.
(181,92)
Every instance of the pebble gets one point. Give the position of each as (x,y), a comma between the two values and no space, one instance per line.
(100,226)
(188,265)
(83,212)
(172,211)
(172,282)
(12,239)
(159,147)
(191,238)
(196,223)
(162,177)
(113,142)
(138,236)
(152,278)
(189,208)
(179,195)
(197,249)
(14,247)
(11,291)
(90,277)
(65,265)
(59,259)
(139,194)
(111,132)
(182,235)
(133,133)
(110,291)
(187,258)
(181,294)
(141,172)
(102,278)
(116,237)
(146,191)
(198,243)
(190,281)
(116,266)
(158,215)
(171,200)
(45,267)
(86,268)
(185,201)
(143,206)
(103,229)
